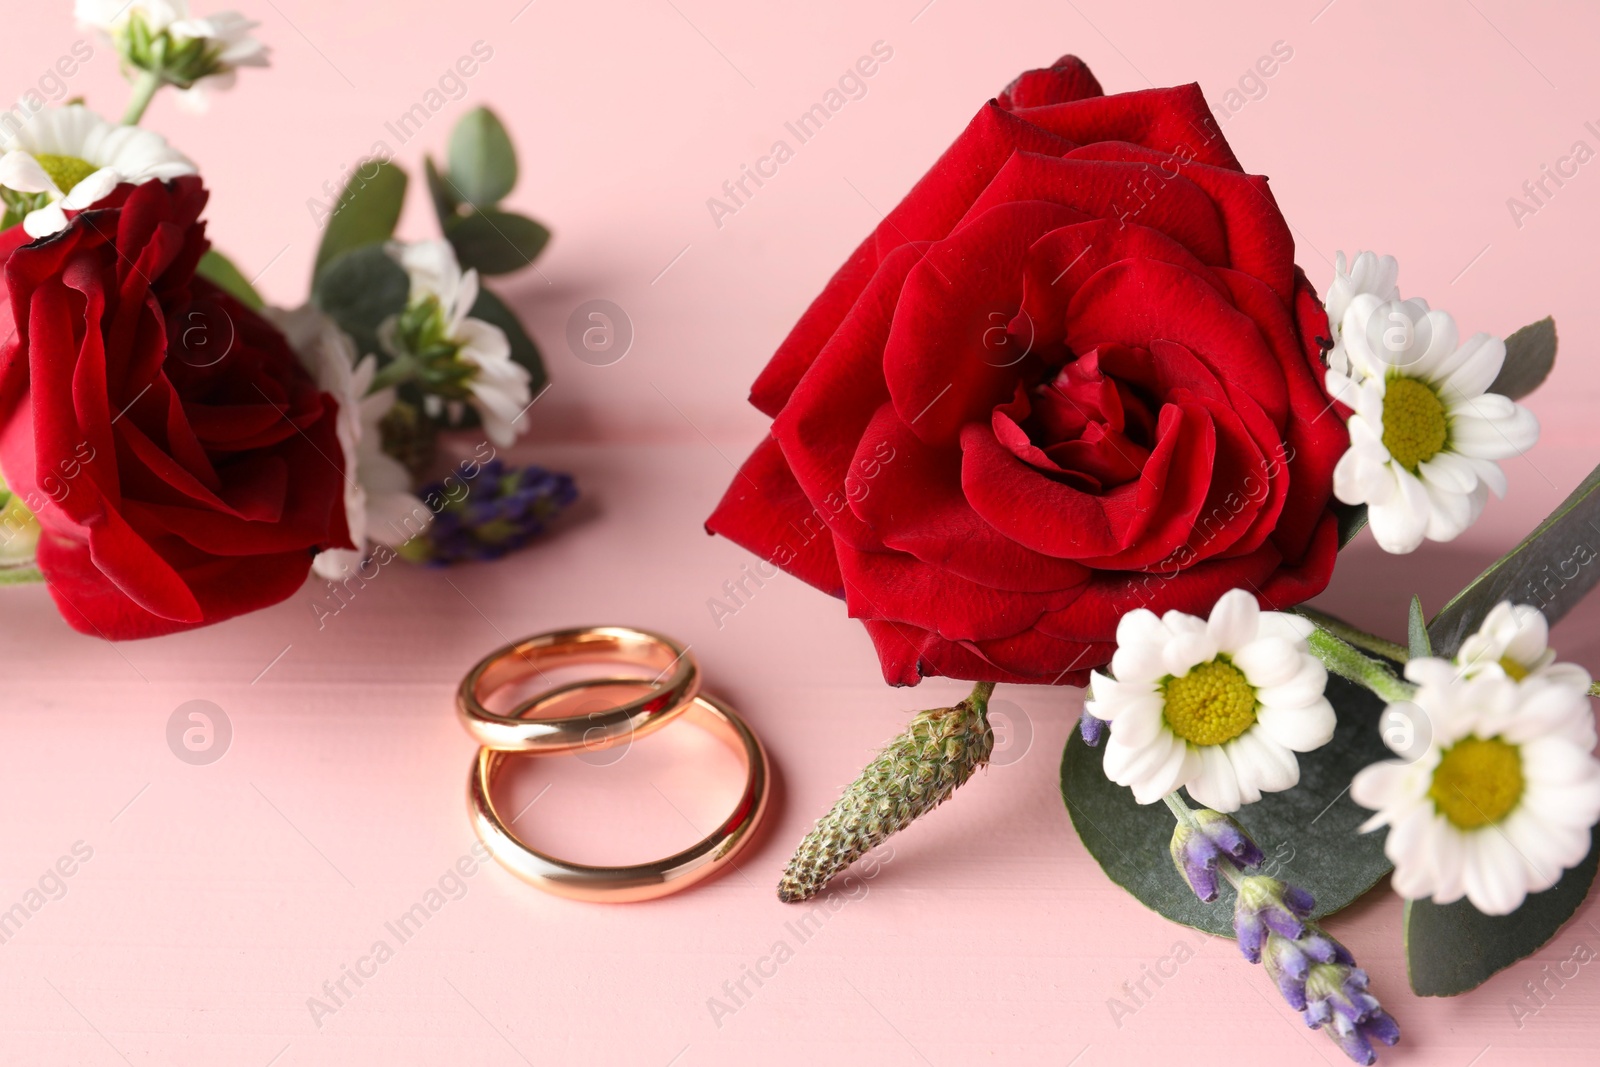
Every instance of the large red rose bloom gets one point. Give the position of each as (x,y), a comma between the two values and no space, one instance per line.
(1073,373)
(183,465)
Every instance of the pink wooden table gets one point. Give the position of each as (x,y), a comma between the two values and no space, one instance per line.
(209,903)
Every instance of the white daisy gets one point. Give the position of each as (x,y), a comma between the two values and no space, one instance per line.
(163,38)
(1502,800)
(67,158)
(1219,706)
(496,385)
(1424,434)
(1370,273)
(378,503)
(1514,642)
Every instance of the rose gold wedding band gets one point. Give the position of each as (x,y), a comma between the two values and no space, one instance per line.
(669,692)
(643,881)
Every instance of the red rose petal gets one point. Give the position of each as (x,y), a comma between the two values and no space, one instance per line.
(915,504)
(766,511)
(1065,80)
(949,359)
(899,587)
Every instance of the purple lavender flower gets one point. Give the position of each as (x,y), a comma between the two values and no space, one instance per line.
(1314,973)
(1200,844)
(1092,729)
(502,510)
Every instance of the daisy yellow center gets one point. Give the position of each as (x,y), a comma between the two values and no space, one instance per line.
(1414,424)
(1211,704)
(1478,782)
(1514,670)
(65,171)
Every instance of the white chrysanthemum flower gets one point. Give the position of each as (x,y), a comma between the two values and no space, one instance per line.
(1503,799)
(378,503)
(1219,706)
(1369,273)
(1514,642)
(1424,435)
(497,386)
(190,52)
(67,158)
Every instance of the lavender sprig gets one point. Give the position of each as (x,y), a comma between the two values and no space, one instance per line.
(1314,973)
(500,510)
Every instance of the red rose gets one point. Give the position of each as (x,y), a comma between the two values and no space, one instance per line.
(1073,373)
(183,466)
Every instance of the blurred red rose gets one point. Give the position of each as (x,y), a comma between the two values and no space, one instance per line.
(183,466)
(1073,373)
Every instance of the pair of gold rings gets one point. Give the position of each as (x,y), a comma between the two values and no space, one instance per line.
(645,705)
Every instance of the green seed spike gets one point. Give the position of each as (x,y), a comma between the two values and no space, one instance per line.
(913,774)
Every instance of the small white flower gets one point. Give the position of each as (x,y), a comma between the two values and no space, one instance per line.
(499,386)
(378,503)
(1370,273)
(190,52)
(67,158)
(1424,435)
(1219,706)
(1514,642)
(1503,799)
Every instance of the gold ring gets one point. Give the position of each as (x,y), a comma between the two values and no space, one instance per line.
(644,881)
(669,693)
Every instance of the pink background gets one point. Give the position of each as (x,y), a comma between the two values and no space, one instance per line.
(219,898)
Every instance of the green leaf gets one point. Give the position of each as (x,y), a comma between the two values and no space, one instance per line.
(1352,517)
(446,204)
(1417,631)
(1309,833)
(1552,569)
(360,289)
(483,165)
(492,309)
(218,269)
(496,242)
(1530,353)
(367,212)
(1451,948)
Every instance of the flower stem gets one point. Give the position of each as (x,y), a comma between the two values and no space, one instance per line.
(1378,646)
(144,89)
(1345,661)
(396,372)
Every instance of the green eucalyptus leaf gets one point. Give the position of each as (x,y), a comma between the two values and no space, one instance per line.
(1552,569)
(1451,948)
(483,165)
(492,309)
(446,204)
(1352,517)
(1530,353)
(219,270)
(360,289)
(1417,631)
(1309,833)
(366,214)
(496,242)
